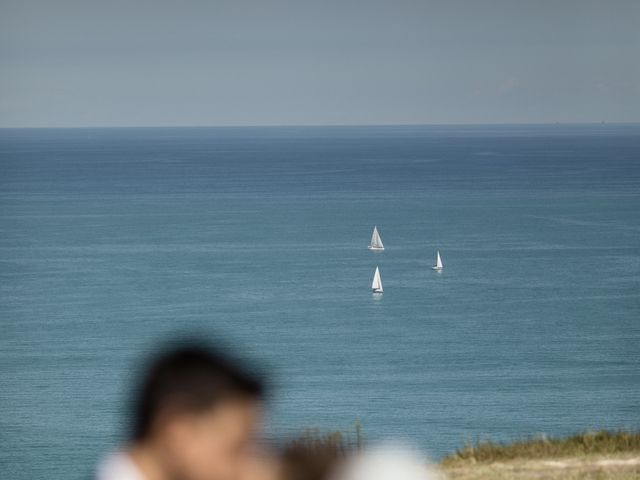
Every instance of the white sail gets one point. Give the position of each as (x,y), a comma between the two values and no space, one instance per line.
(376,241)
(376,285)
(438,265)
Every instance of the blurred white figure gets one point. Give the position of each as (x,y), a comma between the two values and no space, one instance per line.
(391,462)
(118,466)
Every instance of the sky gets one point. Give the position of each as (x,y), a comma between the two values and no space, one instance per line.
(87,63)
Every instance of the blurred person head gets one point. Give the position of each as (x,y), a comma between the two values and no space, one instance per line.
(194,416)
(306,460)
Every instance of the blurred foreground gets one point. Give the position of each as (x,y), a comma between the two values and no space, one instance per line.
(600,455)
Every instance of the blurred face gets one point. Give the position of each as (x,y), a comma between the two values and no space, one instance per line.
(214,445)
(261,466)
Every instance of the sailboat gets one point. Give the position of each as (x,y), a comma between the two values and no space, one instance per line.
(438,265)
(376,285)
(376,241)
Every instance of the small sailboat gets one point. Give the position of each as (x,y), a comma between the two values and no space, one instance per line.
(376,241)
(438,265)
(376,286)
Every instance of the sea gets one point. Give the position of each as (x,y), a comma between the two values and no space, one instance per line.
(114,241)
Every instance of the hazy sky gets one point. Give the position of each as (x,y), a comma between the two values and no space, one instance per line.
(256,62)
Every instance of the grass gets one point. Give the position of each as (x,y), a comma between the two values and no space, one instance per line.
(602,455)
(587,443)
(621,469)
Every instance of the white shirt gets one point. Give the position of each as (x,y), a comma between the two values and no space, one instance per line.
(118,466)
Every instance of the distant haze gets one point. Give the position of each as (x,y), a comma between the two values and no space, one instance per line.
(264,62)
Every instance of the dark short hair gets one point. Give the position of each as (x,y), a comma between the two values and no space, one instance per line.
(190,379)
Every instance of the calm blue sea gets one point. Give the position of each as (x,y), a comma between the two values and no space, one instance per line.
(114,239)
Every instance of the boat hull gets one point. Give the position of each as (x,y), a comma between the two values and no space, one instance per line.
(375,290)
(438,269)
(375,248)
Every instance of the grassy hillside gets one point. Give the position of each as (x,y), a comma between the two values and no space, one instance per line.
(591,455)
